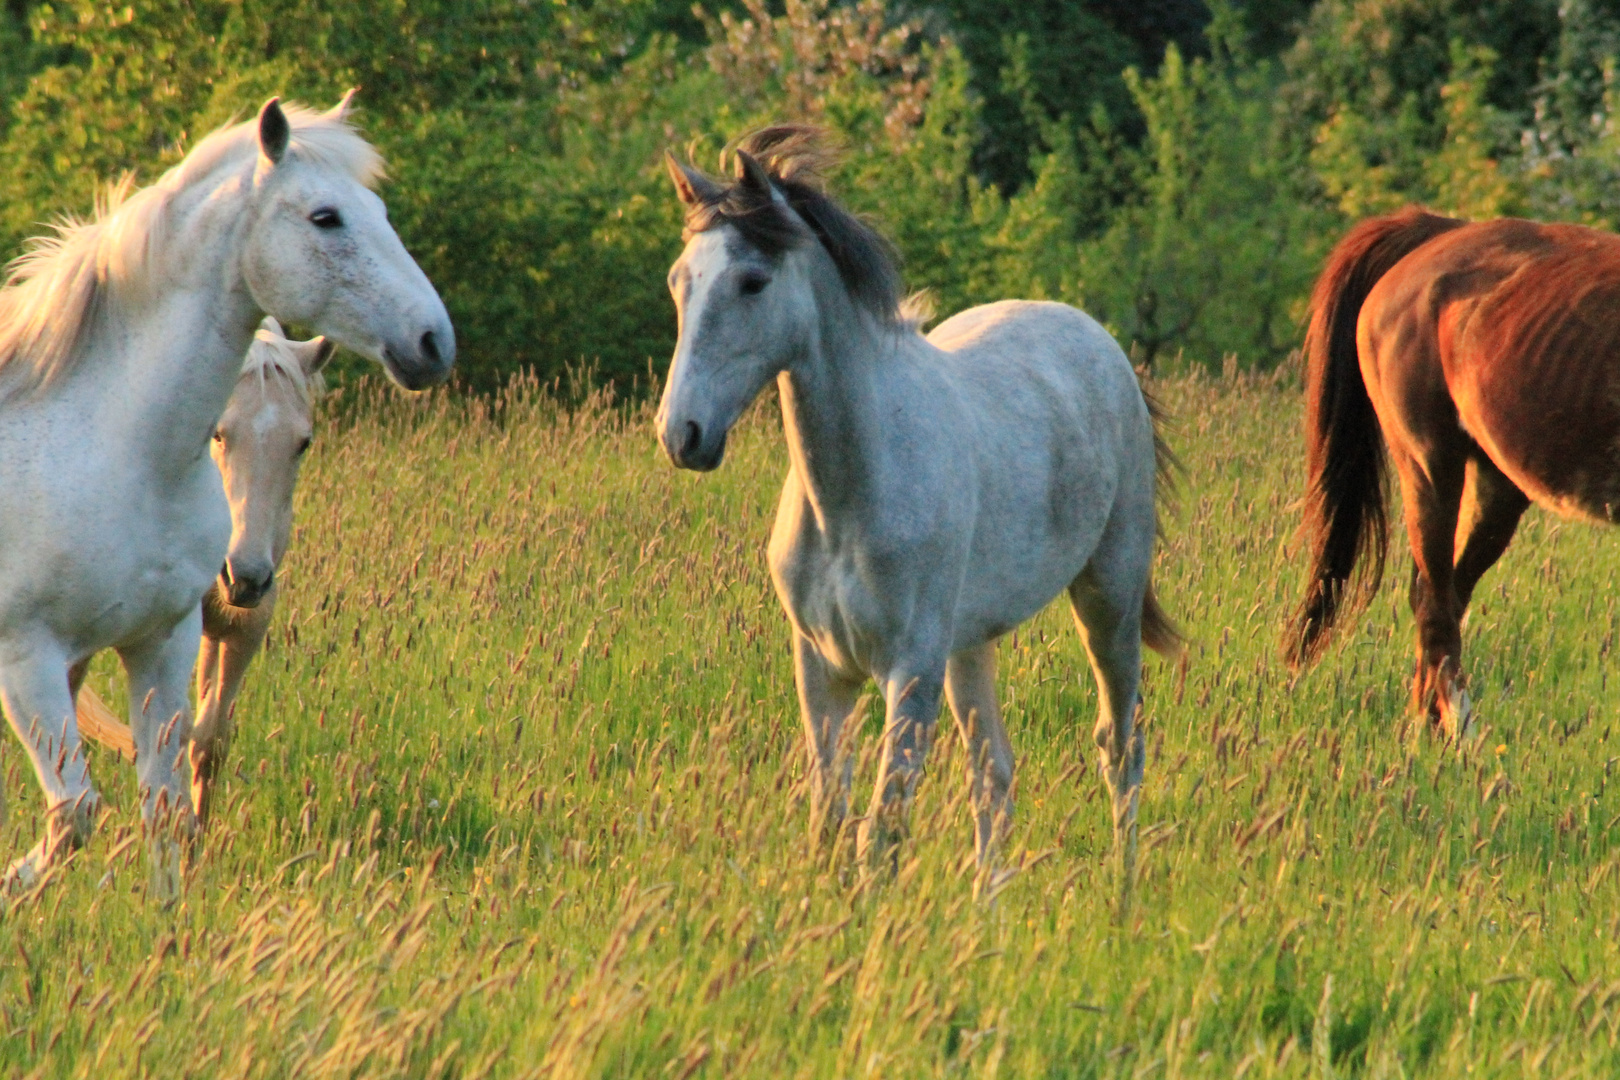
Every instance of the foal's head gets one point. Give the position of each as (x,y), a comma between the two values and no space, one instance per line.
(258,445)
(746,286)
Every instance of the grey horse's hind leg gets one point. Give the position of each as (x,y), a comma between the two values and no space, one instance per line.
(1107,603)
(826,700)
(970,687)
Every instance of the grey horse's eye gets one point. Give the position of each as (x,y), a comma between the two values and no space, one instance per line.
(218,435)
(326,218)
(753,284)
(303,446)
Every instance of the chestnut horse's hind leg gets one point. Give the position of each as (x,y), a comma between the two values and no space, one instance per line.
(1431,497)
(1491,509)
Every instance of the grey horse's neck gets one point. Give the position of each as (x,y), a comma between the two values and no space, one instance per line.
(832,400)
(172,396)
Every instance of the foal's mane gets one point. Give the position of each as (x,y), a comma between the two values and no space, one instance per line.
(271,356)
(54,292)
(797,158)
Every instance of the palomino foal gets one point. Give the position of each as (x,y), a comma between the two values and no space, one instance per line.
(121,341)
(941,491)
(258,446)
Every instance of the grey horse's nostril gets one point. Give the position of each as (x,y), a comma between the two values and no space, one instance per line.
(694,436)
(430,347)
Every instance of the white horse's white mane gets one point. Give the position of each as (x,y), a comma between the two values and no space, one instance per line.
(271,355)
(53,291)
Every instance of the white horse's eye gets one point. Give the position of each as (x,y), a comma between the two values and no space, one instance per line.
(326,218)
(753,284)
(303,446)
(218,435)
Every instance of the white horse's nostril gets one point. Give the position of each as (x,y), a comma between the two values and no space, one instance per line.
(430,347)
(694,438)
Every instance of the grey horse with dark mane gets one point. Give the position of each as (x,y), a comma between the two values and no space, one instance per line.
(942,489)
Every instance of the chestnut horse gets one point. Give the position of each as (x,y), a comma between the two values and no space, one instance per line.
(1482,356)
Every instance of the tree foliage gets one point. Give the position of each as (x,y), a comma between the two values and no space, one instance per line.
(1176,167)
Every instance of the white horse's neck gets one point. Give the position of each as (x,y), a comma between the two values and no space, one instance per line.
(833,400)
(170,356)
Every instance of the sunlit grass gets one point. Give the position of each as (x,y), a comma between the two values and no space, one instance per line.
(518,791)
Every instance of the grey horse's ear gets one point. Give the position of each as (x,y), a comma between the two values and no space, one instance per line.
(316,353)
(274,131)
(752,175)
(271,325)
(340,111)
(691,186)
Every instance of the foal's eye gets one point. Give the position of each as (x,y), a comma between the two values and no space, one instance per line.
(326,218)
(753,284)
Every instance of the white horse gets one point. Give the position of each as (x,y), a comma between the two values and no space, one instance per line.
(258,445)
(121,340)
(942,489)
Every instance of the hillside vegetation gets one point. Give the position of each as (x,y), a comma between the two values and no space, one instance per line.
(518,792)
(1176,167)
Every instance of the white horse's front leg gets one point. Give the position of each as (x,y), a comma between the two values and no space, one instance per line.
(912,696)
(826,700)
(159,673)
(34,691)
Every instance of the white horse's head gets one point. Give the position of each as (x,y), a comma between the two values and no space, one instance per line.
(747,287)
(319,250)
(258,445)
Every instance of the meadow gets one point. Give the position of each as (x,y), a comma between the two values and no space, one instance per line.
(518,792)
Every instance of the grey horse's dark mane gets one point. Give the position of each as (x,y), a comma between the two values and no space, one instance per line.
(796,157)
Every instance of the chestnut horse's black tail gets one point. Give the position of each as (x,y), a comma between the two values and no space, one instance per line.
(1345,519)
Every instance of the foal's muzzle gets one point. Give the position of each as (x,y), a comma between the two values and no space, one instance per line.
(246,583)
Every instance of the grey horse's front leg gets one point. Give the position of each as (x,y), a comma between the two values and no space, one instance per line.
(35,693)
(826,701)
(912,696)
(159,672)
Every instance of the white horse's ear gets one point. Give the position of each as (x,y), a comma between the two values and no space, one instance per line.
(752,175)
(340,111)
(315,354)
(271,325)
(691,186)
(274,131)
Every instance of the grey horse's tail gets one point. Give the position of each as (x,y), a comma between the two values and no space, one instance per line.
(1158,632)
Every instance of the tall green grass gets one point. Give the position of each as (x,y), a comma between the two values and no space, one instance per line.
(518,791)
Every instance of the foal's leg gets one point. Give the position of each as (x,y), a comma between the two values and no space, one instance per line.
(970,687)
(1107,602)
(826,700)
(159,672)
(911,695)
(228,647)
(1491,508)
(36,697)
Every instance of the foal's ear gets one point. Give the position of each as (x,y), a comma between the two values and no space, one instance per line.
(316,353)
(691,186)
(274,131)
(340,111)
